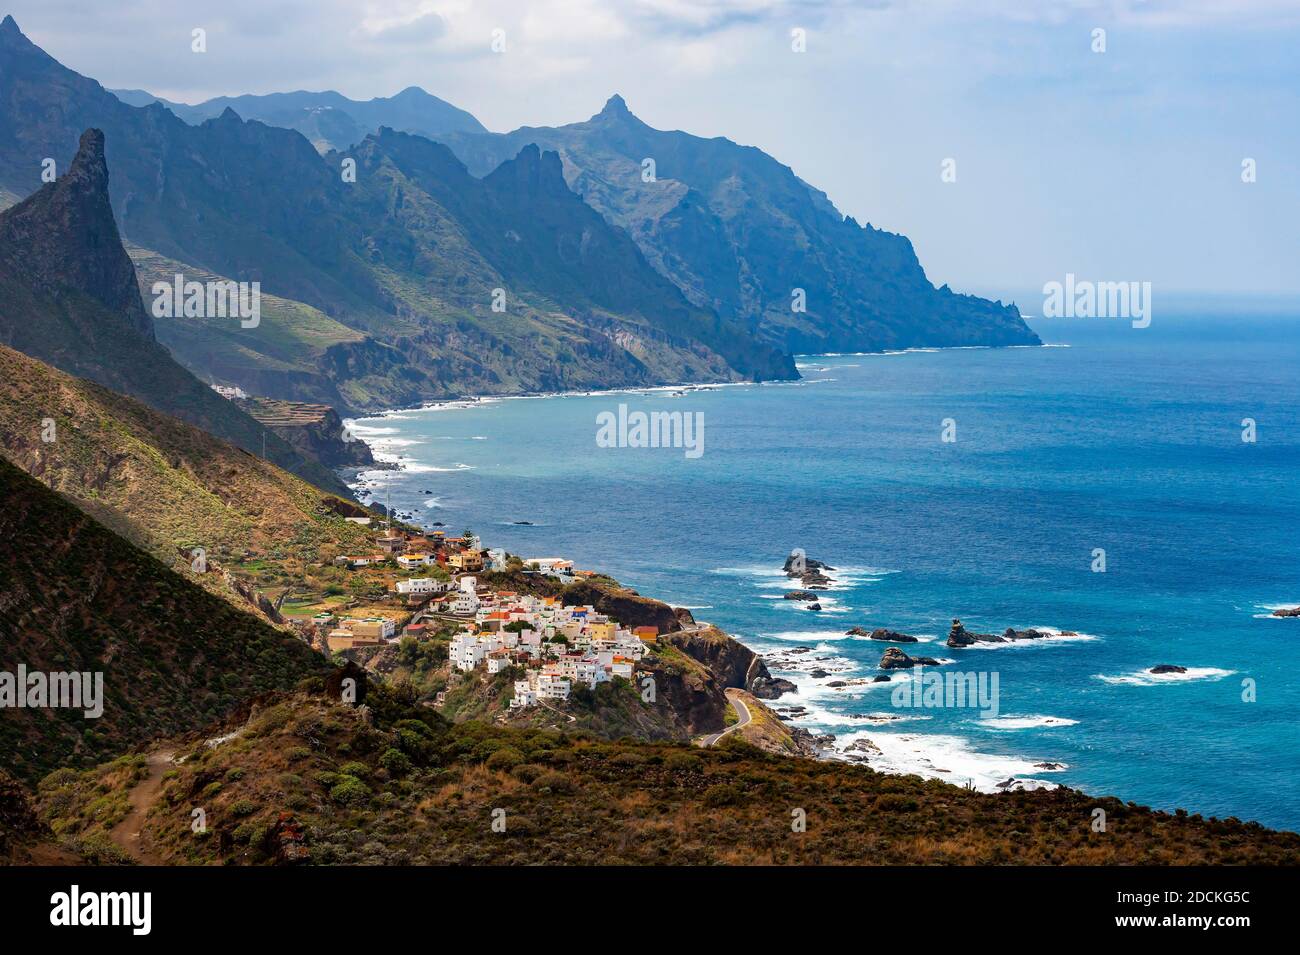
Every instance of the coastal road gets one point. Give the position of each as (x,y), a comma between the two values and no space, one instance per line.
(741,709)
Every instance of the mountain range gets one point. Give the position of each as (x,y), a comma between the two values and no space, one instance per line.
(537,260)
(329,119)
(410,254)
(733,228)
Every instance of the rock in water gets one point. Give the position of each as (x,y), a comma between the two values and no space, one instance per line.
(896,659)
(880,633)
(959,636)
(1167,668)
(1011,634)
(771,688)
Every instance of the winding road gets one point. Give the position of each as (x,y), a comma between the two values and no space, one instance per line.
(741,709)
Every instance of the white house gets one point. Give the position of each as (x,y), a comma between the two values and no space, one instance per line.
(420,585)
(524,694)
(553,566)
(411,561)
(467,652)
(465,603)
(551,687)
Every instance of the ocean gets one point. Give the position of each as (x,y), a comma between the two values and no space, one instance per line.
(1114,439)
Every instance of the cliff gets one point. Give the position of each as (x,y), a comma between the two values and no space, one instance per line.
(313,430)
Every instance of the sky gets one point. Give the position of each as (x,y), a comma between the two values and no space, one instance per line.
(1122,165)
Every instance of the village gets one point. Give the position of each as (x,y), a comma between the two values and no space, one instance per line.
(431,583)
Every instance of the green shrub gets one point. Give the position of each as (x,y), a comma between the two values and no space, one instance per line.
(395,762)
(350,791)
(890,802)
(683,763)
(506,758)
(527,771)
(554,782)
(723,794)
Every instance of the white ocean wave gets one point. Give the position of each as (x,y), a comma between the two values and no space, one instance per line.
(805,636)
(1269,608)
(949,758)
(1147,678)
(416,468)
(1025,722)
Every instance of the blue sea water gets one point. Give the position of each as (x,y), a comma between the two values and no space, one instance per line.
(1128,440)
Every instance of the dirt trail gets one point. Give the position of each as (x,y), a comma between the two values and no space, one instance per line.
(127,834)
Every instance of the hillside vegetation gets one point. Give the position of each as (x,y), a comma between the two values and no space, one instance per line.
(76,597)
(308,779)
(163,484)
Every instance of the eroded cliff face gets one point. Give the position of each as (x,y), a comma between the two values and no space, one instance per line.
(314,430)
(734,663)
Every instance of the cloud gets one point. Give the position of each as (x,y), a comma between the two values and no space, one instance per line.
(423,29)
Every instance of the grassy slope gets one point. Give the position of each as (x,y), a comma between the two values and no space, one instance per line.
(163,484)
(291,336)
(76,597)
(401,786)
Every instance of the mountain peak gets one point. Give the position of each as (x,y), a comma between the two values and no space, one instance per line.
(64,236)
(10,32)
(615,106)
(532,172)
(89,163)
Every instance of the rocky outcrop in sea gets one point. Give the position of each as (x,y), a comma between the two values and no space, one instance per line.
(959,636)
(896,659)
(880,633)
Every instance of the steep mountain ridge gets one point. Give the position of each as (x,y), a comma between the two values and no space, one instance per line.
(739,232)
(68,296)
